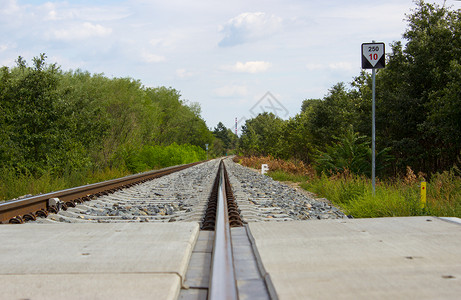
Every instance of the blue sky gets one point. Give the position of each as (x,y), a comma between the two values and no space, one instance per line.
(225,55)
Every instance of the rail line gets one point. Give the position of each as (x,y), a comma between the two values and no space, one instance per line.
(229,270)
(233,256)
(222,280)
(221,216)
(28,209)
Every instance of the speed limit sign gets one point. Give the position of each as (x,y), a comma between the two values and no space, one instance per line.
(373,56)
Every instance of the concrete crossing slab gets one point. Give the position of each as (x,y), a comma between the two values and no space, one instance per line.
(385,258)
(90,286)
(95,261)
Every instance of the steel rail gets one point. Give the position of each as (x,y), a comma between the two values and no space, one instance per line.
(20,210)
(222,279)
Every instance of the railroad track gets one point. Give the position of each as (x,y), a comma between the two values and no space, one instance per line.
(217,212)
(227,268)
(198,193)
(227,258)
(31,208)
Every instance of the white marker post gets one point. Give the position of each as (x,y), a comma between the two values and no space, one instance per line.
(264,169)
(373,58)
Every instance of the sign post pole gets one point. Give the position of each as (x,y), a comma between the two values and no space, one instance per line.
(373,58)
(373,134)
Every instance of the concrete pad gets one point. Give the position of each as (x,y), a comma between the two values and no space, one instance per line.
(90,286)
(386,258)
(138,258)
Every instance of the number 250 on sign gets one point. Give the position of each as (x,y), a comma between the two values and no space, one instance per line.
(373,56)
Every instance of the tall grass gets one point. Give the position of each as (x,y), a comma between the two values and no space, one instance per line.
(14,184)
(284,176)
(355,196)
(393,197)
(291,167)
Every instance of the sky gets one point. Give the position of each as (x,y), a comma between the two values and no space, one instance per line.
(235,58)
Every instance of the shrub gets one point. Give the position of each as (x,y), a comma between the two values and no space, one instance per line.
(398,196)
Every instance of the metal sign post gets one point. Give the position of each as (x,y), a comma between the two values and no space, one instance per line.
(373,58)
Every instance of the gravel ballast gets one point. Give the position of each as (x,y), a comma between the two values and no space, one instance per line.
(183,196)
(263,199)
(180,196)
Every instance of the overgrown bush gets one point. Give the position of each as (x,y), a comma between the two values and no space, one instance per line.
(154,157)
(399,196)
(292,166)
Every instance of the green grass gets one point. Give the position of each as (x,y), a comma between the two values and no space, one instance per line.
(284,176)
(13,185)
(393,198)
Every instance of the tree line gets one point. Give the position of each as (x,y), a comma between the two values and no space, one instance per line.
(56,121)
(418,108)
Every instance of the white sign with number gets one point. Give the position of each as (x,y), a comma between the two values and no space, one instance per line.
(373,53)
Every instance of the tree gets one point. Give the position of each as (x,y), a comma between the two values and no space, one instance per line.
(352,152)
(308,104)
(227,137)
(62,121)
(262,135)
(339,109)
(297,138)
(416,93)
(29,100)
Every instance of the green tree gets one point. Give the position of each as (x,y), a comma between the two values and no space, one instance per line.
(308,104)
(339,109)
(352,152)
(417,100)
(262,135)
(227,137)
(297,138)
(29,101)
(61,121)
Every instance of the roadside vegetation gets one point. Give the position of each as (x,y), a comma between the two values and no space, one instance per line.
(398,196)
(67,128)
(418,113)
(418,109)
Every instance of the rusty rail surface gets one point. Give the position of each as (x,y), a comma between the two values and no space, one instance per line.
(21,210)
(209,219)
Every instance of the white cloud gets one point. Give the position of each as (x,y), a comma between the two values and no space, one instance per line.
(8,62)
(81,31)
(340,66)
(50,11)
(152,58)
(8,7)
(314,66)
(231,90)
(249,67)
(67,11)
(343,65)
(248,27)
(183,73)
(7,46)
